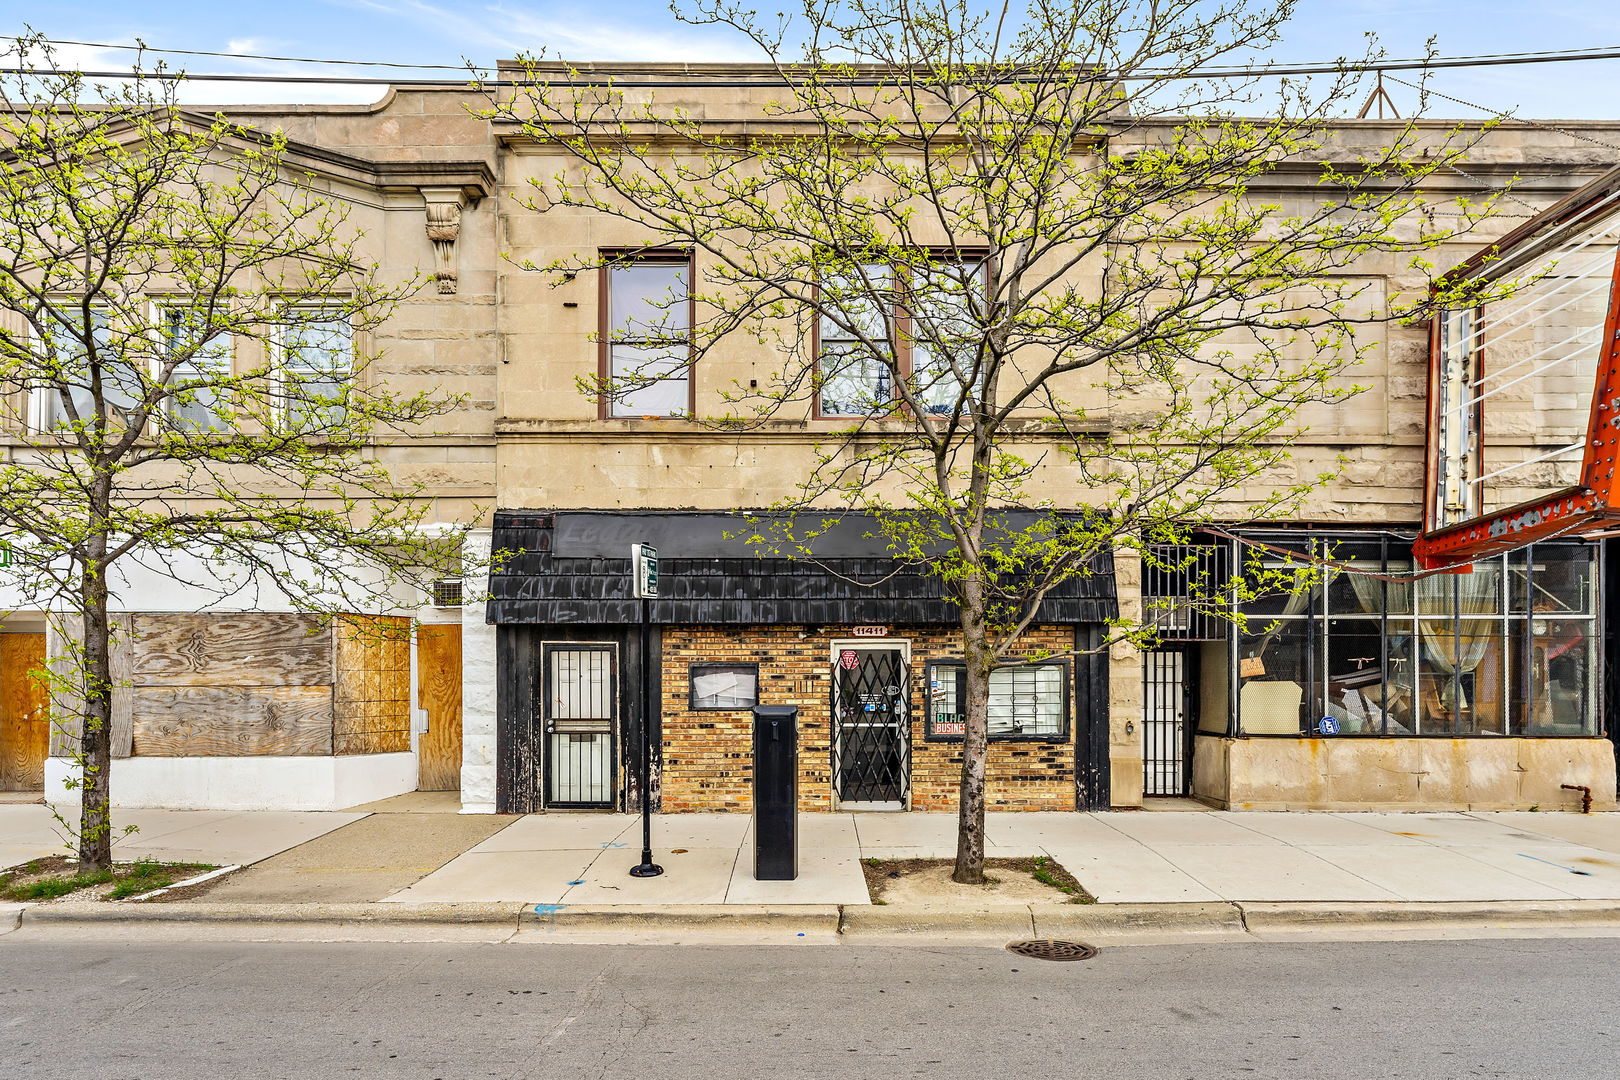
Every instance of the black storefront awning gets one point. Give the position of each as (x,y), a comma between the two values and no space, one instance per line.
(573,568)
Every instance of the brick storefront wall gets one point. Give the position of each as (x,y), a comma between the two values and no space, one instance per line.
(708,754)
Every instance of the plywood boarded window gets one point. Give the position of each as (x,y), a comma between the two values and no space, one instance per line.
(372,693)
(231,684)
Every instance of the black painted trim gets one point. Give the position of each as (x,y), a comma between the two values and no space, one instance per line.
(1092,781)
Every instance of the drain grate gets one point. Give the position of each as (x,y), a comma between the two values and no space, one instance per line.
(1052,949)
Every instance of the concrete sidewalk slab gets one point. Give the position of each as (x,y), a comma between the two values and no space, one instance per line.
(1324,830)
(361,862)
(1568,869)
(1020,835)
(413,802)
(1272,872)
(1139,875)
(1436,874)
(692,830)
(533,877)
(696,876)
(1443,829)
(823,879)
(1600,831)
(222,837)
(1185,829)
(551,832)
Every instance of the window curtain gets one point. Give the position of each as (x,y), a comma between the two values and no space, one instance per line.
(1298,602)
(1370,591)
(1456,646)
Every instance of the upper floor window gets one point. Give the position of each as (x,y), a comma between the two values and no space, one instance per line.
(204,357)
(65,397)
(647,334)
(854,342)
(317,365)
(918,322)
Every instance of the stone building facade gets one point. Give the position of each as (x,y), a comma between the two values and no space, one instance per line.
(438,190)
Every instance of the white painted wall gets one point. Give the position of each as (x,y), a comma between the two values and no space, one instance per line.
(246,783)
(184,582)
(477,682)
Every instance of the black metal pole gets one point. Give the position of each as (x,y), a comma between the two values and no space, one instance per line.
(647,867)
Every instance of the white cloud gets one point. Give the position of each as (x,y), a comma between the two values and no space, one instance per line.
(572,31)
(569,32)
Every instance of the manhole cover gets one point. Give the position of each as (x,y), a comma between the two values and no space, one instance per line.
(1050,949)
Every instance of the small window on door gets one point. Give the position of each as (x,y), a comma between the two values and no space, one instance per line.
(725,686)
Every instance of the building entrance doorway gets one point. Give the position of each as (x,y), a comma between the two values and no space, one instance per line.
(580,692)
(25,729)
(1167,684)
(871,725)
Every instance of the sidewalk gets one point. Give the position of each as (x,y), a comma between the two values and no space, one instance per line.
(413,860)
(1119,857)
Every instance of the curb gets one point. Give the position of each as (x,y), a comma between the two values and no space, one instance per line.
(721,917)
(1263,918)
(877,924)
(890,921)
(101,913)
(1210,921)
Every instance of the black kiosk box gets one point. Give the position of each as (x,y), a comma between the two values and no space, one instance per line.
(776,792)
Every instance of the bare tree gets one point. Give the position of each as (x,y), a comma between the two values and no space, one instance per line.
(1015,252)
(181,314)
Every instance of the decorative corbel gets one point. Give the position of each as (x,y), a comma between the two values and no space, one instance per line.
(444,205)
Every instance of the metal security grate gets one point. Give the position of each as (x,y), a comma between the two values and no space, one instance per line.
(1053,949)
(1164,722)
(579,726)
(447,592)
(871,742)
(1180,586)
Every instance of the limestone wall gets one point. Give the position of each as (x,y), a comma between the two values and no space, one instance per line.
(1402,773)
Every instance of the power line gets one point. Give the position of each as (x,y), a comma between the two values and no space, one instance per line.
(581,77)
(241,56)
(1320,67)
(1507,113)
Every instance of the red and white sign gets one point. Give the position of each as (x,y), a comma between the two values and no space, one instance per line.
(870,631)
(849,659)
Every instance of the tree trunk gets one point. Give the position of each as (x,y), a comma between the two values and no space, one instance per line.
(975,745)
(95,739)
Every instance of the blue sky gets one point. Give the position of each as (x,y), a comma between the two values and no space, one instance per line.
(446,31)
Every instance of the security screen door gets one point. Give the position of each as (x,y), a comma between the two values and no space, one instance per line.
(871,734)
(1166,735)
(579,697)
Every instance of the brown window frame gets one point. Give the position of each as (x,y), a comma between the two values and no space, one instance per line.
(899,327)
(609,258)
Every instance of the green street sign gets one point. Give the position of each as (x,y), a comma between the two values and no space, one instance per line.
(644,570)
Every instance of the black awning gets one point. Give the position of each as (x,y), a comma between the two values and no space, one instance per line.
(573,568)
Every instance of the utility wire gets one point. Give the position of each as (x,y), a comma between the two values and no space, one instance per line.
(568,75)
(1319,67)
(1507,114)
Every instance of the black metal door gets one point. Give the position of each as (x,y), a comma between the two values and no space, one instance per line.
(1166,733)
(871,726)
(579,713)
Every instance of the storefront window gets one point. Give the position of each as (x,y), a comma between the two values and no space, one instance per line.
(1029,701)
(1503,650)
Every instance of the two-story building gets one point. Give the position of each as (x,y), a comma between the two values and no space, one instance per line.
(1368,690)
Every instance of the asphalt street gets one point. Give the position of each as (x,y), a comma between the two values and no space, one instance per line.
(1541,1009)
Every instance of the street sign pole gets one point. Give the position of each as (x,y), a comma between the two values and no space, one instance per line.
(644,579)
